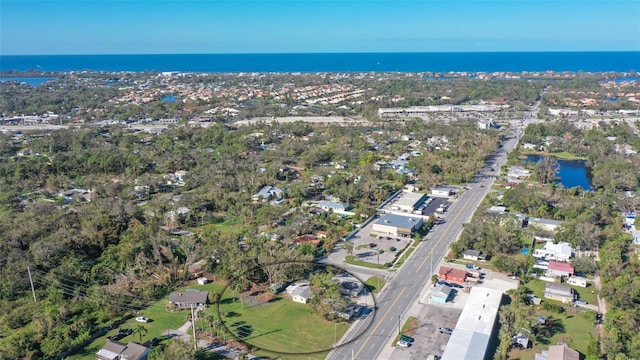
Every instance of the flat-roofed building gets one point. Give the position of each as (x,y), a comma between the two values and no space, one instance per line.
(397,225)
(471,338)
(451,274)
(408,201)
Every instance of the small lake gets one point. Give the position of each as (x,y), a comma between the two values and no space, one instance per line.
(31,81)
(169,98)
(572,173)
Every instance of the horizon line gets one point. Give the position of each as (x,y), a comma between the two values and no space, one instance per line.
(337,52)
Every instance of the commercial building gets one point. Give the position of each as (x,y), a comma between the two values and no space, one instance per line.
(407,201)
(441,191)
(397,225)
(450,274)
(441,294)
(476,327)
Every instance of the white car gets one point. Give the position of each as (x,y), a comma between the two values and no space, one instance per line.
(403,344)
(142,319)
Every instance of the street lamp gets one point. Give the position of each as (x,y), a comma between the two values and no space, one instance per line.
(335,332)
(399,332)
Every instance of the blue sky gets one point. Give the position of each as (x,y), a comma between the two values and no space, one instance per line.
(213,26)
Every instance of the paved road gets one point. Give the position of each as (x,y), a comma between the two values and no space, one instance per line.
(362,342)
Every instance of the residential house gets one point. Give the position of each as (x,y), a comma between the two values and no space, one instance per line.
(518,172)
(189,298)
(544,224)
(352,310)
(306,239)
(560,252)
(451,274)
(496,210)
(114,350)
(267,193)
(556,268)
(301,294)
(349,286)
(471,254)
(441,294)
(335,207)
(558,352)
(558,292)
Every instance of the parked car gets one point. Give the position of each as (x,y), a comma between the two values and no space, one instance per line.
(445,330)
(142,319)
(403,344)
(406,338)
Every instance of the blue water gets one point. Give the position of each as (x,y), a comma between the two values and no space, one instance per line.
(572,173)
(338,62)
(169,98)
(31,81)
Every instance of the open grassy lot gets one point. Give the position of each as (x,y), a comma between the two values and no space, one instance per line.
(570,328)
(374,284)
(161,321)
(279,325)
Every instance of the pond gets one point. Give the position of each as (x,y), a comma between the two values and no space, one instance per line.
(31,81)
(169,98)
(572,173)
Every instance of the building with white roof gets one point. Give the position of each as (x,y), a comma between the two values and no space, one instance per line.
(397,225)
(407,201)
(476,326)
(560,252)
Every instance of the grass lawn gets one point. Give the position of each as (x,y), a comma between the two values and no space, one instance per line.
(575,333)
(403,257)
(587,294)
(374,284)
(350,259)
(409,328)
(279,325)
(161,320)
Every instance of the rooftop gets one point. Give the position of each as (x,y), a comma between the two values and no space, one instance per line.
(472,334)
(400,221)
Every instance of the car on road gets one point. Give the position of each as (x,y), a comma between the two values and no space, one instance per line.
(445,330)
(402,344)
(143,319)
(393,248)
(481,185)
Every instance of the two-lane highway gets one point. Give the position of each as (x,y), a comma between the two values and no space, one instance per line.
(405,287)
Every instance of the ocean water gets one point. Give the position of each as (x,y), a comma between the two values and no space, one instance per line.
(332,62)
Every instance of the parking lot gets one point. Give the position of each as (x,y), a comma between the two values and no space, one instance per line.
(372,247)
(431,316)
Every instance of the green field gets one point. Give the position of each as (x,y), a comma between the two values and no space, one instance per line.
(279,325)
(161,321)
(575,332)
(374,284)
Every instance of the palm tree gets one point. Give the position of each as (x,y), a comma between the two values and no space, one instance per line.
(349,247)
(140,330)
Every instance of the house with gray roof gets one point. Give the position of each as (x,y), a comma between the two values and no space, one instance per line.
(267,193)
(188,298)
(114,350)
(558,292)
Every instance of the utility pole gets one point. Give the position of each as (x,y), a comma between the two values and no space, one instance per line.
(399,332)
(33,290)
(193,326)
